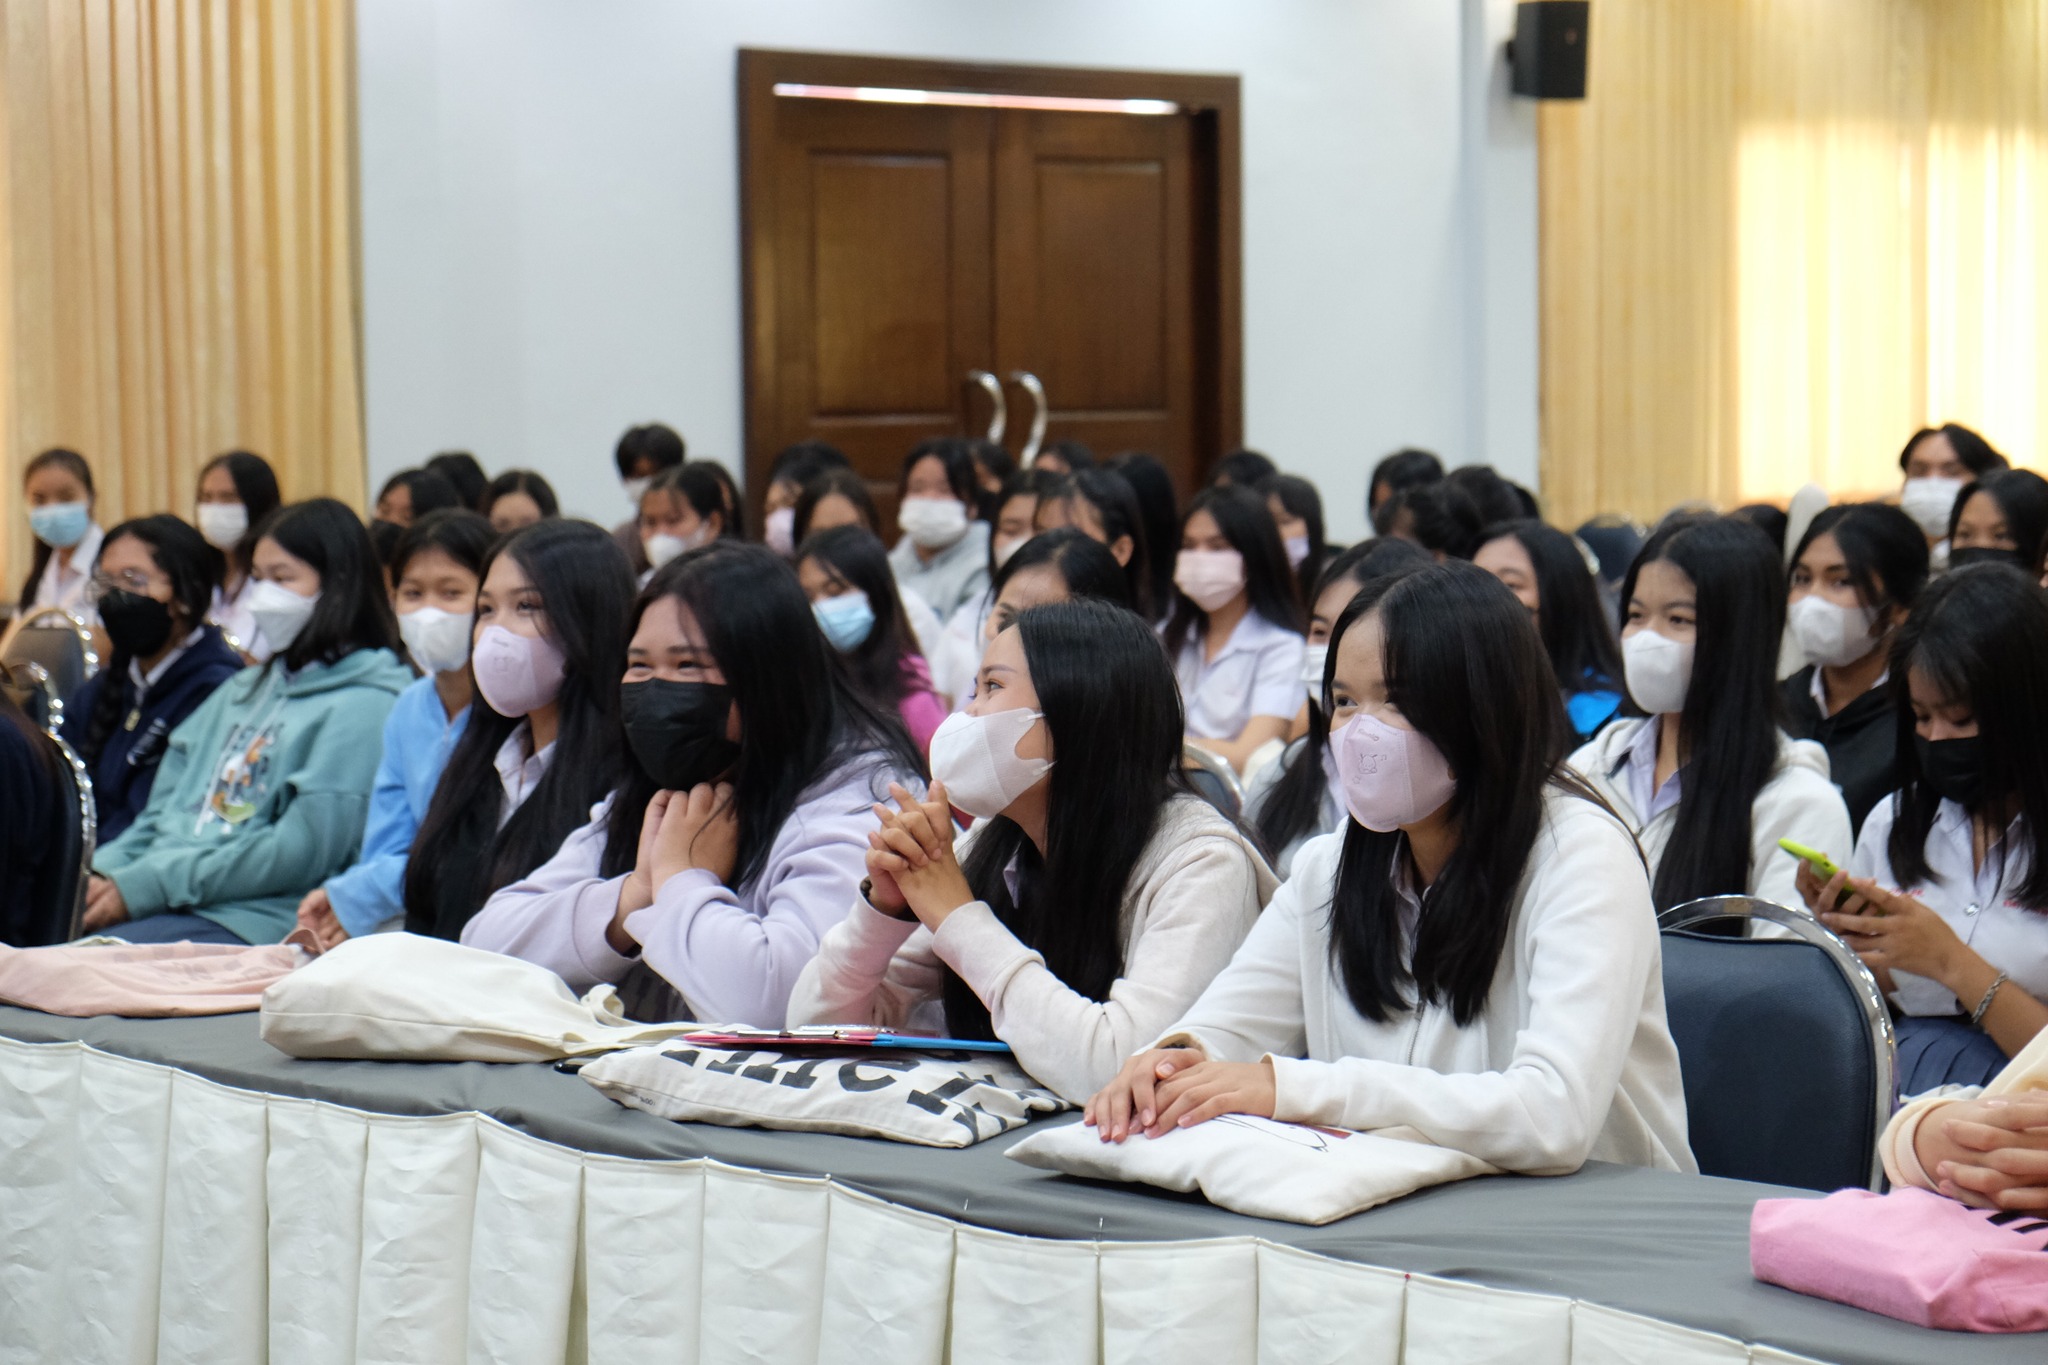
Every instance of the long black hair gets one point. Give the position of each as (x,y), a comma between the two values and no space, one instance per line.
(857,558)
(956,457)
(1244,467)
(1154,486)
(256,485)
(1980,636)
(1241,515)
(428,491)
(1977,454)
(846,484)
(460,468)
(586,590)
(195,569)
(1440,517)
(800,717)
(520,481)
(1301,499)
(1400,471)
(2022,498)
(1883,551)
(1729,729)
(1463,665)
(1294,806)
(1115,504)
(73,464)
(1083,563)
(353,611)
(1573,624)
(1110,701)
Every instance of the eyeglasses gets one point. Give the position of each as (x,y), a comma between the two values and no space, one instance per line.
(128,580)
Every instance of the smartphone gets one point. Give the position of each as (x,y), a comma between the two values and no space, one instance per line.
(1822,865)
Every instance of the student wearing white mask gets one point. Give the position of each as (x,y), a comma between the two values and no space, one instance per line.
(737,836)
(943,556)
(1235,633)
(1095,895)
(57,489)
(1705,777)
(436,571)
(1937,462)
(683,510)
(1012,512)
(1855,574)
(643,452)
(237,490)
(845,574)
(263,792)
(1298,797)
(1297,509)
(1474,956)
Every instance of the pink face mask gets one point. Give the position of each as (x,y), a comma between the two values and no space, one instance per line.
(517,674)
(1390,777)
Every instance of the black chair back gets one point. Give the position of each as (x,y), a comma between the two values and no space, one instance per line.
(58,644)
(1213,779)
(56,902)
(1785,1046)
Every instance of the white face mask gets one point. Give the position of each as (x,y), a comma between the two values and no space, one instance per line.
(976,758)
(636,489)
(280,613)
(932,523)
(1930,502)
(222,523)
(1658,669)
(1831,635)
(1210,578)
(1005,548)
(1297,550)
(780,531)
(437,640)
(1312,660)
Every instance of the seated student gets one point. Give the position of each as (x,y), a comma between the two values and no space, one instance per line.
(438,566)
(1496,499)
(2002,518)
(1161,507)
(1297,510)
(1242,468)
(1545,570)
(1936,464)
(1101,504)
(262,792)
(1296,798)
(1440,517)
(1055,567)
(1064,458)
(551,625)
(1704,778)
(729,496)
(1949,902)
(1475,956)
(237,491)
(516,499)
(835,498)
(1012,516)
(33,790)
(739,834)
(994,466)
(642,453)
(1855,574)
(845,574)
(1235,632)
(155,580)
(412,493)
(460,468)
(682,510)
(943,556)
(1397,473)
(794,468)
(57,489)
(1987,1147)
(1095,896)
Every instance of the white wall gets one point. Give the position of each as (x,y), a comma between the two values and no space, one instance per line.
(551,222)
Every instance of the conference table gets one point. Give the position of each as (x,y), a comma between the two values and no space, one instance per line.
(178,1190)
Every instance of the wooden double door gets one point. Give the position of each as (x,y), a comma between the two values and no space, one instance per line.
(912,266)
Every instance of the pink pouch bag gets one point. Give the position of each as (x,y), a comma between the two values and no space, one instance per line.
(1912,1255)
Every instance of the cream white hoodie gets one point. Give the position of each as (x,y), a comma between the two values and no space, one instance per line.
(1798,803)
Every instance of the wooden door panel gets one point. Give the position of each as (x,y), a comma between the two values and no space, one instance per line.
(881,331)
(1101,314)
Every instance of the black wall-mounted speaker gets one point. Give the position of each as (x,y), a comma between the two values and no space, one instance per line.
(1548,53)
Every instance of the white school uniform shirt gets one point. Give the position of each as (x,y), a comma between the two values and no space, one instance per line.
(1570,1060)
(519,772)
(733,953)
(1981,904)
(1797,803)
(65,588)
(1193,895)
(951,576)
(1256,673)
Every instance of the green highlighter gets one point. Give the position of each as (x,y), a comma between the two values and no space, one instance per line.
(1822,865)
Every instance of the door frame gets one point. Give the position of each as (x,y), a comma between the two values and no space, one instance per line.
(1212,100)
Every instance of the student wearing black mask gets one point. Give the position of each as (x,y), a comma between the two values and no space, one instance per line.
(2002,518)
(739,836)
(1961,946)
(153,587)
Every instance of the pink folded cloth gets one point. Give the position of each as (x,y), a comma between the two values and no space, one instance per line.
(145,980)
(1911,1254)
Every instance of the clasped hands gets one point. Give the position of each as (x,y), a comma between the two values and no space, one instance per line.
(1165,1088)
(698,829)
(911,861)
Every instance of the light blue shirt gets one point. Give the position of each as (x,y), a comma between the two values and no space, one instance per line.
(418,738)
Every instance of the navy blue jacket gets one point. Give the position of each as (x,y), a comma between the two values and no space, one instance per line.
(125,768)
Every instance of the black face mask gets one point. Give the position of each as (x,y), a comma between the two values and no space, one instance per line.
(1954,768)
(677,730)
(137,625)
(1983,554)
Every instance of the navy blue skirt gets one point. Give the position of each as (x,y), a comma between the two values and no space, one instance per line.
(1937,1050)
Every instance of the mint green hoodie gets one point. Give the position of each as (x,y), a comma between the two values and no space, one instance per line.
(261,795)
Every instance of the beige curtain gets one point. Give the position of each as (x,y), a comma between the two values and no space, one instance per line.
(1780,235)
(178,264)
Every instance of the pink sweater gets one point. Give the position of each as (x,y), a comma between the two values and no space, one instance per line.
(921,709)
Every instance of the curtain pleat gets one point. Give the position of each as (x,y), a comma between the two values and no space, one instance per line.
(178,256)
(1779,236)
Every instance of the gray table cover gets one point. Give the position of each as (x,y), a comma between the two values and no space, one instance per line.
(1666,1246)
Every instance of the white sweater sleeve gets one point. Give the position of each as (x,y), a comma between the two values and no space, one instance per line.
(1806,808)
(1254,1006)
(871,968)
(557,915)
(1588,940)
(1193,911)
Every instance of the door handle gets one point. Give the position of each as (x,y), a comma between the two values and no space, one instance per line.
(1028,382)
(993,387)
